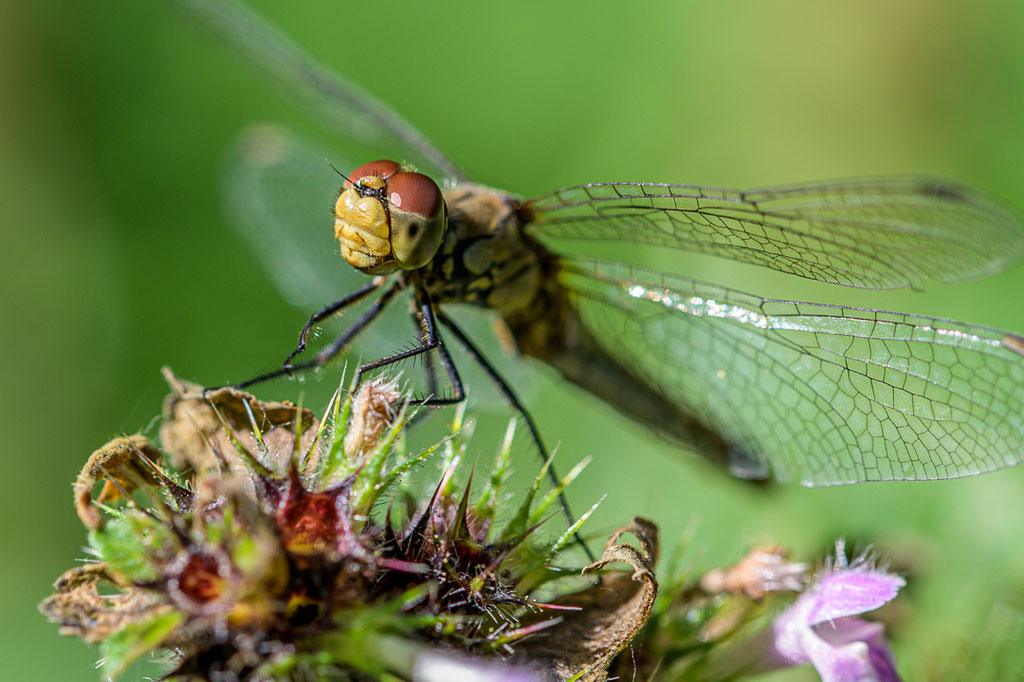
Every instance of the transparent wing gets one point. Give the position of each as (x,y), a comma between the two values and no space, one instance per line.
(279,197)
(350,111)
(816,393)
(876,233)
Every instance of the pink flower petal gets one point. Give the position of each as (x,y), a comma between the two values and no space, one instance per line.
(851,592)
(849,630)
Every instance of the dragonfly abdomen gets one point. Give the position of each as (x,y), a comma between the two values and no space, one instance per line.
(555,334)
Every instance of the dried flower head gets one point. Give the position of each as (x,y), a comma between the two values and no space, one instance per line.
(762,570)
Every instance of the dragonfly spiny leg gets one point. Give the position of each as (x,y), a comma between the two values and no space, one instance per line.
(432,341)
(327,311)
(327,353)
(429,370)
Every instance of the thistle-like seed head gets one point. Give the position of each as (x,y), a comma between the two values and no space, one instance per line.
(251,541)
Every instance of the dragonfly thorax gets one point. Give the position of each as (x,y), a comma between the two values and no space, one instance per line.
(386,218)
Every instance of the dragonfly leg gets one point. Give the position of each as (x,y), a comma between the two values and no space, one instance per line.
(327,311)
(327,353)
(459,391)
(518,406)
(431,341)
(429,370)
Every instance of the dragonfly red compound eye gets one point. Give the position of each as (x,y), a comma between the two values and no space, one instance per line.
(382,168)
(418,219)
(415,193)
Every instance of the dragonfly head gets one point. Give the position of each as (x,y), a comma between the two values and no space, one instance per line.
(386,218)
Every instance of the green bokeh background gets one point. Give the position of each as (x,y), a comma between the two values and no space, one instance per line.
(115,259)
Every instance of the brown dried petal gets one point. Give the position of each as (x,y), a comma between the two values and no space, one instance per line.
(83,612)
(193,433)
(612,612)
(764,569)
(120,462)
(644,530)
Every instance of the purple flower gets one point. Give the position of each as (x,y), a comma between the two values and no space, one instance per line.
(822,629)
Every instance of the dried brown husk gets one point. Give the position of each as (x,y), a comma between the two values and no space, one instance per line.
(198,425)
(762,570)
(83,612)
(125,464)
(373,408)
(611,614)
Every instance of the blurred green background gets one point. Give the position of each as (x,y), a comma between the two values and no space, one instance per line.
(115,259)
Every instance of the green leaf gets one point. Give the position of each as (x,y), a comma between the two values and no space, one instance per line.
(564,539)
(134,546)
(335,465)
(538,512)
(128,644)
(407,465)
(521,519)
(490,497)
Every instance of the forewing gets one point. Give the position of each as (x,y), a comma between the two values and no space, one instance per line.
(876,233)
(347,109)
(279,196)
(820,394)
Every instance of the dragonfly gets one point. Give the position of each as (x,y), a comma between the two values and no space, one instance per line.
(796,391)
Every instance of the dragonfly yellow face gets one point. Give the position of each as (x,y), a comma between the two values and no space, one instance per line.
(386,218)
(800,391)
